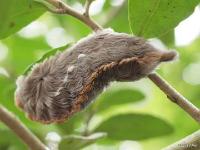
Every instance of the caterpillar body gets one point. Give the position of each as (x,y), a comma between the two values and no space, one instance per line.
(66,83)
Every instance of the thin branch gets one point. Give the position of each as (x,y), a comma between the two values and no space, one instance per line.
(87,7)
(191,142)
(21,130)
(175,96)
(62,8)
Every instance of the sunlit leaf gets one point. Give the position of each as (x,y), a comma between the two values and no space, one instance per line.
(116,96)
(15,143)
(153,18)
(134,127)
(23,52)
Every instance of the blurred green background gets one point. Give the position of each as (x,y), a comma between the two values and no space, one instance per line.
(127,116)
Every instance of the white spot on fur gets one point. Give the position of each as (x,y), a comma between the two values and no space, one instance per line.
(36,65)
(65,79)
(58,91)
(70,69)
(81,56)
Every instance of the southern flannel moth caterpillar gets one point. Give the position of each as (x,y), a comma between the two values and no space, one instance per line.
(65,83)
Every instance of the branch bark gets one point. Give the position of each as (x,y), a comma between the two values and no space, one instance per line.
(191,142)
(175,96)
(21,130)
(62,8)
(171,93)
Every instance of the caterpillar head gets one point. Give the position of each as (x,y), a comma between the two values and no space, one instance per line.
(37,91)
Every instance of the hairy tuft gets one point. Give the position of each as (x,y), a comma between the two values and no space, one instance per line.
(168,56)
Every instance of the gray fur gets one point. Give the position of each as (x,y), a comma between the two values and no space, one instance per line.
(50,90)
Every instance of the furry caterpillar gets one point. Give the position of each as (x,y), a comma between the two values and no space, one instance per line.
(64,84)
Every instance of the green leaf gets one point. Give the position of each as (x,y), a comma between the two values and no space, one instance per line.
(168,38)
(46,56)
(23,51)
(134,127)
(118,95)
(76,142)
(73,123)
(6,143)
(152,18)
(15,14)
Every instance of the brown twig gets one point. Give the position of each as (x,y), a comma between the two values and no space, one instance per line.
(62,8)
(175,96)
(191,142)
(21,130)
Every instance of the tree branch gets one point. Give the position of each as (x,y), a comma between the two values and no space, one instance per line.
(62,8)
(24,133)
(190,142)
(171,93)
(175,96)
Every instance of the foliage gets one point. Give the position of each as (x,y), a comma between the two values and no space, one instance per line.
(141,126)
(125,111)
(17,14)
(154,17)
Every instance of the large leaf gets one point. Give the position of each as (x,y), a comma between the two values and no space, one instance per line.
(15,14)
(15,143)
(134,127)
(118,95)
(76,142)
(22,52)
(152,18)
